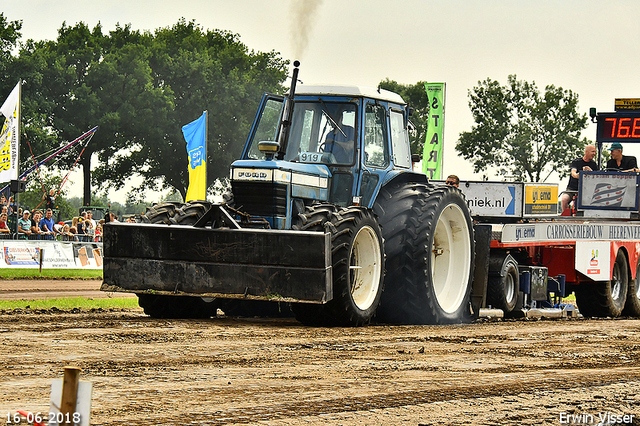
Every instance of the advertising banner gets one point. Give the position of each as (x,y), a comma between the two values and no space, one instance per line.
(608,190)
(53,254)
(493,199)
(540,199)
(593,259)
(434,141)
(10,136)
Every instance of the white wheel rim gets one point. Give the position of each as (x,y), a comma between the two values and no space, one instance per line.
(451,258)
(365,268)
(509,287)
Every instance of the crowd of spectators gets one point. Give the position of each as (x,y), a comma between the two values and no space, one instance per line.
(23,224)
(40,225)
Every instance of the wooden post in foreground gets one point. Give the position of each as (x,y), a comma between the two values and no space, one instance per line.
(69,393)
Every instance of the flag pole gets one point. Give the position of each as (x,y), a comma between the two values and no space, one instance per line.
(19,118)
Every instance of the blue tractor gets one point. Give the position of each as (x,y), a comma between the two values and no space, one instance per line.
(325,214)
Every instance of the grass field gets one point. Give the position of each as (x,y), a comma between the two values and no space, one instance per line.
(67,303)
(83,274)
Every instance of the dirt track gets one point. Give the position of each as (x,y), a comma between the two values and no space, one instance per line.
(276,372)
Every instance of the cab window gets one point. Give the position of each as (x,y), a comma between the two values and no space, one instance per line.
(375,137)
(400,140)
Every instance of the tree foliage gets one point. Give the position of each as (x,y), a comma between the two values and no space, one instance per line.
(416,96)
(521,132)
(140,88)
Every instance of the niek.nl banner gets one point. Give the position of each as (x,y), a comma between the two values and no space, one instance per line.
(433,144)
(9,137)
(195,133)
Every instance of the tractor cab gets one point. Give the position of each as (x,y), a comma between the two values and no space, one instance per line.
(342,144)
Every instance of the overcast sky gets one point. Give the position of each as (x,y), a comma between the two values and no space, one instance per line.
(587,46)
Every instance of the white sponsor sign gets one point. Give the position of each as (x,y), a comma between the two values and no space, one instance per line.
(593,259)
(494,199)
(54,254)
(574,231)
(600,190)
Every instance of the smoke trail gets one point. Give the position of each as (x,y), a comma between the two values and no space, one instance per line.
(301,24)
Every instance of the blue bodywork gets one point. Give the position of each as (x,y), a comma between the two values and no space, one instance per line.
(304,172)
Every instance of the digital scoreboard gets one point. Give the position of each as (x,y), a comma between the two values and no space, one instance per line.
(619,127)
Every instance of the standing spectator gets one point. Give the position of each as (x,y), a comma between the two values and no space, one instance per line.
(4,229)
(98,233)
(50,199)
(67,235)
(35,225)
(24,226)
(46,224)
(89,230)
(90,219)
(453,180)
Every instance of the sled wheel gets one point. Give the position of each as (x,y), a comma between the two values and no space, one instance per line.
(160,213)
(605,298)
(430,252)
(164,306)
(632,305)
(503,285)
(357,265)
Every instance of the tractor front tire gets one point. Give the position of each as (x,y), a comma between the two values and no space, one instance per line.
(357,253)
(160,213)
(190,212)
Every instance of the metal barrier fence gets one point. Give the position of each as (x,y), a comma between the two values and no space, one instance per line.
(42,237)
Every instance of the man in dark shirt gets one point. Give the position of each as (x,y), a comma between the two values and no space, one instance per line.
(585,163)
(619,162)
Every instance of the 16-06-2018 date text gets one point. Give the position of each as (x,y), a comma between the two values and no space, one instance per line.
(27,418)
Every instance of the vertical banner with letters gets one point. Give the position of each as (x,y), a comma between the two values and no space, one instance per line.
(434,142)
(10,136)
(195,133)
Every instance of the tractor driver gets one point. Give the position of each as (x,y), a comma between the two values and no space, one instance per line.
(340,141)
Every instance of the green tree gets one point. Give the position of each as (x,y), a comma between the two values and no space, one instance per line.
(206,70)
(9,36)
(141,88)
(416,96)
(522,132)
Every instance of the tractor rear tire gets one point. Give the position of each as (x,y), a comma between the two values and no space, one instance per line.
(632,305)
(605,298)
(429,246)
(357,253)
(503,286)
(160,213)
(163,306)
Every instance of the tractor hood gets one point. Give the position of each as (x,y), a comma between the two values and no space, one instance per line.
(310,181)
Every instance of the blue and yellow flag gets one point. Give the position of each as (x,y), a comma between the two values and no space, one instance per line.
(195,133)
(434,141)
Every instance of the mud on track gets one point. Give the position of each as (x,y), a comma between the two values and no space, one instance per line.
(277,372)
